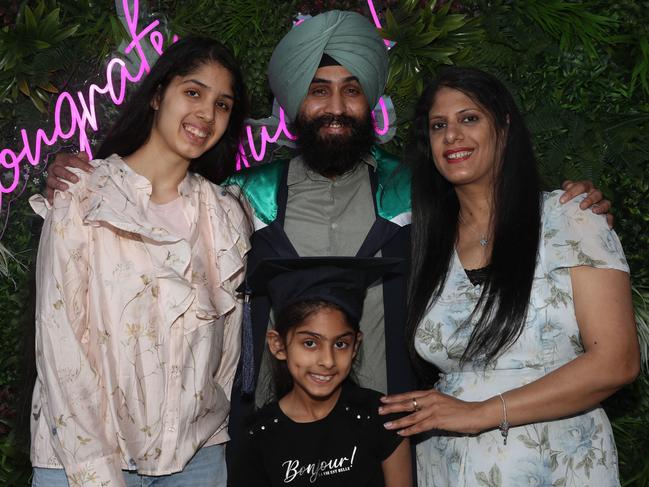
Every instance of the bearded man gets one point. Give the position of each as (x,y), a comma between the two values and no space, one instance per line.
(341,195)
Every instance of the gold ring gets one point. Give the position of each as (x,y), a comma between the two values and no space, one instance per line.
(415,407)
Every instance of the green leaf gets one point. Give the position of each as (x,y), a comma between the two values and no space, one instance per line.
(47,86)
(24,87)
(38,104)
(41,44)
(65,33)
(40,8)
(30,20)
(52,18)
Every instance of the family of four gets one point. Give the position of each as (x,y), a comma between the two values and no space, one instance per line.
(324,311)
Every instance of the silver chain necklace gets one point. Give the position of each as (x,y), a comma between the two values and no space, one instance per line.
(483,238)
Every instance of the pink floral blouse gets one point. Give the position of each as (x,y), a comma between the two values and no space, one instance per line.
(137,330)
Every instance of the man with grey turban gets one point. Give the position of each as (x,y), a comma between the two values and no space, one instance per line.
(346,38)
(341,196)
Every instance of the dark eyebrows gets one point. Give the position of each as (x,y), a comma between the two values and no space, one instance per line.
(203,85)
(348,79)
(345,335)
(442,117)
(317,335)
(309,333)
(192,80)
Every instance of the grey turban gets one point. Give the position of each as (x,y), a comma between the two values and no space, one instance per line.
(348,37)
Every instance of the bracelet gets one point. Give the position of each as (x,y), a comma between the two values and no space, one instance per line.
(504,424)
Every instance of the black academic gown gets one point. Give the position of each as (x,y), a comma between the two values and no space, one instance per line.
(271,241)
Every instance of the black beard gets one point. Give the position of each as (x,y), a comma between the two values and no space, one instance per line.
(334,155)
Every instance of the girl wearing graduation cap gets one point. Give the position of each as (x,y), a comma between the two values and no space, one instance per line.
(323,430)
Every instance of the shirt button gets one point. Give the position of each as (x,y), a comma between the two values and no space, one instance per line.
(132,462)
(171,428)
(334,225)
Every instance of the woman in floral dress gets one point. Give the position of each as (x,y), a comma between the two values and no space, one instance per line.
(523,304)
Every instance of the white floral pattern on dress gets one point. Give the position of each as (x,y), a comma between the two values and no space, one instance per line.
(573,452)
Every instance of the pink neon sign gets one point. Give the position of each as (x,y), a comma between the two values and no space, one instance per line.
(376,20)
(282,129)
(81,107)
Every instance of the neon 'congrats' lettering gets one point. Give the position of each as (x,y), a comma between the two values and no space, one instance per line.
(81,107)
(82,113)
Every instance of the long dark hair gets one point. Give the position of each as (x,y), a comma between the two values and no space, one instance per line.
(133,126)
(516,220)
(289,317)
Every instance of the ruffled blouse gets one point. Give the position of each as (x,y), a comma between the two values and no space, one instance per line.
(137,329)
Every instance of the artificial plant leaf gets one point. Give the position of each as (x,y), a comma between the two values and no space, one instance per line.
(30,20)
(65,33)
(47,86)
(24,87)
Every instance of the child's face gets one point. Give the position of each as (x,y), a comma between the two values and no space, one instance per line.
(319,353)
(194,111)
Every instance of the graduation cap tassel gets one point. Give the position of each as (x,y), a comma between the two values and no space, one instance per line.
(247,354)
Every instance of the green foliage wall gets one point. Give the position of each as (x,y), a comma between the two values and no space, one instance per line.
(580,71)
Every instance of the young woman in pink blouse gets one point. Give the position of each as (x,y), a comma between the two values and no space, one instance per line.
(138,321)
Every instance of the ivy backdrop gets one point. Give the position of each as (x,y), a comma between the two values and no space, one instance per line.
(580,71)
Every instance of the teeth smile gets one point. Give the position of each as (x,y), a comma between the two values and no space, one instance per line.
(459,155)
(322,378)
(195,131)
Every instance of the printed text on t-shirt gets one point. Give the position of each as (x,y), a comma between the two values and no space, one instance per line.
(318,469)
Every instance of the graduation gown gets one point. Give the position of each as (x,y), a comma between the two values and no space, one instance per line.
(265,188)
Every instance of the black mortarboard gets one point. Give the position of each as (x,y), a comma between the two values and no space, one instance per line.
(339,280)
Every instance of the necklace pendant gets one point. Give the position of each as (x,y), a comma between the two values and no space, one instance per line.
(484,241)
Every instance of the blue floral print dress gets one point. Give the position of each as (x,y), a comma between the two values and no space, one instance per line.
(578,451)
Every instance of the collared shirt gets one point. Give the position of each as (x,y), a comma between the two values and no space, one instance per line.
(329,216)
(332,217)
(137,329)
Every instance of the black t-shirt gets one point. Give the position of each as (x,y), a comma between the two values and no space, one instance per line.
(345,448)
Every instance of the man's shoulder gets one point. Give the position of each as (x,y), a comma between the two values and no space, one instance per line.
(394,179)
(255,175)
(384,157)
(260,184)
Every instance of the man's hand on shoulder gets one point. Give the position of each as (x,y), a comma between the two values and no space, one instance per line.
(58,174)
(594,198)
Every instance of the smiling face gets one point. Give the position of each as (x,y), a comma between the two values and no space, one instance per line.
(334,124)
(334,97)
(463,139)
(319,354)
(194,111)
